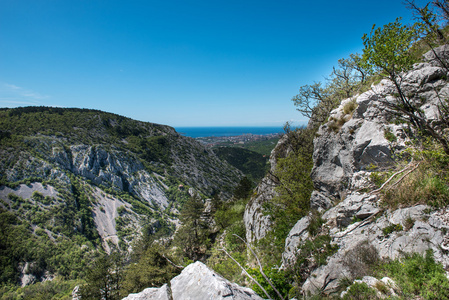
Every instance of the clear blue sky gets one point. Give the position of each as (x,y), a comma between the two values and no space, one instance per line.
(180,63)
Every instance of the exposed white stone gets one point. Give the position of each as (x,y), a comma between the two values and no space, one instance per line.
(162,293)
(197,281)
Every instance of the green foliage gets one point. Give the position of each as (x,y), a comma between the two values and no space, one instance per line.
(315,223)
(104,278)
(418,275)
(392,228)
(80,125)
(252,164)
(37,196)
(311,255)
(83,217)
(390,136)
(294,189)
(387,48)
(229,213)
(55,289)
(427,184)
(151,269)
(360,291)
(193,236)
(226,267)
(152,148)
(243,189)
(66,257)
(263,146)
(276,276)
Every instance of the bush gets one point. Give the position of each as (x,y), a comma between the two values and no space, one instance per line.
(360,291)
(54,289)
(312,254)
(277,277)
(427,184)
(361,260)
(418,275)
(392,228)
(350,107)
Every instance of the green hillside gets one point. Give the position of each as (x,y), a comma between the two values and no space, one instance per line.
(77,183)
(252,164)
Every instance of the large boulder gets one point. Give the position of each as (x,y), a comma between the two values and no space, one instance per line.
(195,282)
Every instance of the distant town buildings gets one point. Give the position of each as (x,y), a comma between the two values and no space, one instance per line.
(235,140)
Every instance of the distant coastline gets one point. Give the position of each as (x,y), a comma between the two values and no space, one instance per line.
(197,132)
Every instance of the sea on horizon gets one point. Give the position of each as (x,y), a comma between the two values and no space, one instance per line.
(197,132)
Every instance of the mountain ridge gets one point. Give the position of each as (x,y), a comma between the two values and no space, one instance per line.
(111,178)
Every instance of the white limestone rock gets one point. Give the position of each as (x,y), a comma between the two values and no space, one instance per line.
(162,293)
(195,282)
(297,235)
(420,231)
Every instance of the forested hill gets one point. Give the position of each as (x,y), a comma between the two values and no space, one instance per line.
(49,133)
(75,182)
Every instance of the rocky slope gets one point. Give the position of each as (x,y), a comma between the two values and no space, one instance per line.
(85,164)
(348,148)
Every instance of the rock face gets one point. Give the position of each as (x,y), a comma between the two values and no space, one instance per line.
(197,281)
(257,224)
(346,150)
(341,152)
(412,230)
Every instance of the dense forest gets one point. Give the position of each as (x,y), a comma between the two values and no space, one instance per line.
(54,236)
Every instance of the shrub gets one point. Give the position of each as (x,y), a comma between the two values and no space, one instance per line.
(392,228)
(427,184)
(277,277)
(418,275)
(37,196)
(390,136)
(350,107)
(312,254)
(361,260)
(360,291)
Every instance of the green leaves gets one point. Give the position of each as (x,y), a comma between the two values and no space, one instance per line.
(387,48)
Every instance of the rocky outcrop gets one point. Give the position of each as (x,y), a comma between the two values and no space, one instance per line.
(197,281)
(356,141)
(393,233)
(257,223)
(361,136)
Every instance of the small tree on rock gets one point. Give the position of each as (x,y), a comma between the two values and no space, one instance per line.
(387,52)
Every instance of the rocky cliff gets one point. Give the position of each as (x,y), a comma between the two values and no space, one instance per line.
(352,147)
(257,223)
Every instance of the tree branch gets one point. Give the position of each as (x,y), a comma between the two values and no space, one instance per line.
(172,263)
(389,179)
(260,267)
(246,273)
